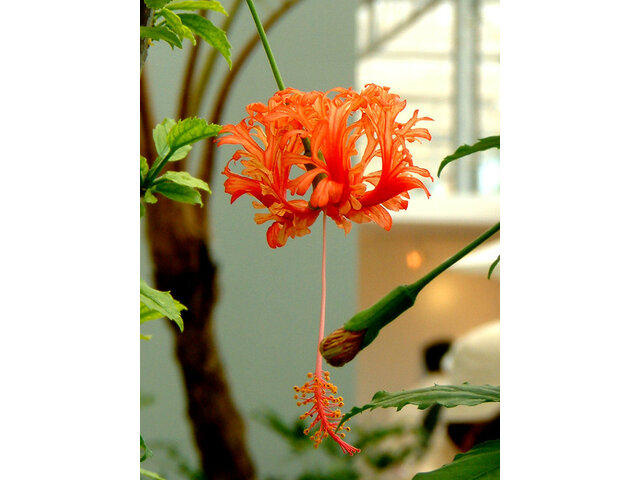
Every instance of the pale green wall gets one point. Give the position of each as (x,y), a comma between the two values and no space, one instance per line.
(269,303)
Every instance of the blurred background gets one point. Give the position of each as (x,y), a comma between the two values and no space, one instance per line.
(443,57)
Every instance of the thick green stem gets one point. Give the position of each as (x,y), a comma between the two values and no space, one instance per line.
(267,47)
(401,298)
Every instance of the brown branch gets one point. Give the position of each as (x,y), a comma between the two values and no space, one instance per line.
(178,235)
(146,121)
(208,156)
(183,104)
(212,58)
(146,17)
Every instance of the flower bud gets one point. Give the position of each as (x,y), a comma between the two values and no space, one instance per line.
(341,346)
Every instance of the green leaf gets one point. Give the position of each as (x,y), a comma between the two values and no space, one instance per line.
(147,453)
(179,193)
(149,474)
(148,196)
(145,337)
(464,150)
(209,32)
(189,131)
(156,3)
(493,266)
(445,395)
(161,302)
(186,32)
(160,133)
(161,33)
(147,314)
(185,179)
(482,462)
(173,22)
(144,167)
(198,5)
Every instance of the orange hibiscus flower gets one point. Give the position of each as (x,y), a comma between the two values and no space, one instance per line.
(278,170)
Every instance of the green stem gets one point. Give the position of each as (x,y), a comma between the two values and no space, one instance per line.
(420,284)
(267,47)
(274,66)
(153,173)
(403,297)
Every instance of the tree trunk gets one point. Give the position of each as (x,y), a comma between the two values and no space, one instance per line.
(179,245)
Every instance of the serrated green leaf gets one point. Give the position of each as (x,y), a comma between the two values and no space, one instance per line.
(198,5)
(189,131)
(147,314)
(161,302)
(156,3)
(173,22)
(179,193)
(464,150)
(445,395)
(150,474)
(493,266)
(185,179)
(161,33)
(482,462)
(211,34)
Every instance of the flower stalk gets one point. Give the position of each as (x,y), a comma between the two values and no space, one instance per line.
(265,43)
(342,345)
(318,392)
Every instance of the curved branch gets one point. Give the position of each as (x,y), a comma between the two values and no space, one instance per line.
(208,156)
(207,70)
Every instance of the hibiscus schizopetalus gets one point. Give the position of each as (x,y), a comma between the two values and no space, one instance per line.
(278,171)
(307,140)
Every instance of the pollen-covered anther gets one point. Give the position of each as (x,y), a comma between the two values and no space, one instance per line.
(325,410)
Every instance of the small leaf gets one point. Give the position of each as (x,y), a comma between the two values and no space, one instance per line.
(493,266)
(186,32)
(147,314)
(148,196)
(198,5)
(185,179)
(144,166)
(464,150)
(173,22)
(147,453)
(160,133)
(149,474)
(161,302)
(209,32)
(161,33)
(445,395)
(482,462)
(189,131)
(156,3)
(179,193)
(145,337)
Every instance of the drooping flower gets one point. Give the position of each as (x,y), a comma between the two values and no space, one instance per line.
(325,410)
(279,170)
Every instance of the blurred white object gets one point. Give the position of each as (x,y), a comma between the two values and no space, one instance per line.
(474,358)
(479,261)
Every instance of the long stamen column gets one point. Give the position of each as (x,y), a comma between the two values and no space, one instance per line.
(319,392)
